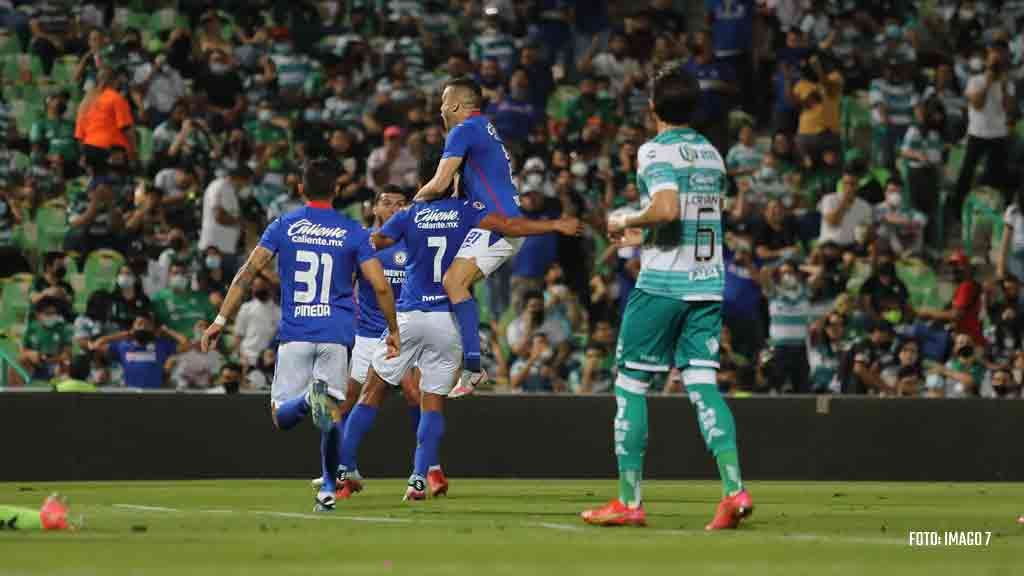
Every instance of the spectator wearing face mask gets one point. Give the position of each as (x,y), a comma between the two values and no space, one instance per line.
(962,376)
(221,223)
(47,340)
(534,370)
(827,346)
(964,310)
(534,319)
(211,278)
(862,367)
(223,90)
(778,238)
(844,210)
(906,377)
(143,351)
(256,324)
(893,99)
(945,90)
(923,149)
(899,225)
(537,252)
(127,300)
(52,284)
(991,99)
(229,380)
(195,369)
(789,313)
(883,290)
(177,306)
(260,375)
(1004,385)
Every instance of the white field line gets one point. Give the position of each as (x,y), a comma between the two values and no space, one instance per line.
(791,537)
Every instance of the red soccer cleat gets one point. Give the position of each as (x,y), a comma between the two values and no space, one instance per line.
(615,513)
(437,483)
(54,513)
(349,486)
(731,510)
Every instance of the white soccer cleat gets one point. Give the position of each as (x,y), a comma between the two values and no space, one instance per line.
(416,489)
(467,383)
(324,502)
(321,405)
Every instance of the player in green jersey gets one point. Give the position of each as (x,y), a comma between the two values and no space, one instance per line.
(673,316)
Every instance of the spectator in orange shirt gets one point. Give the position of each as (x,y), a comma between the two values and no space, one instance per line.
(104,121)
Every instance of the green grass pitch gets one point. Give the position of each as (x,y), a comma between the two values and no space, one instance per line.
(516,527)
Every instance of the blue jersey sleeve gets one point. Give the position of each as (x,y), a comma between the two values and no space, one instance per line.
(364,248)
(395,227)
(271,238)
(458,142)
(116,350)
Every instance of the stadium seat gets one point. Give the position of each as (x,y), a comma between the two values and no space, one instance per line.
(982,220)
(51,225)
(15,298)
(101,270)
(145,141)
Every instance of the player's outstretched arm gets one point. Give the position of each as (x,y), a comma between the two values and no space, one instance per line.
(528,227)
(373,272)
(438,185)
(663,208)
(258,258)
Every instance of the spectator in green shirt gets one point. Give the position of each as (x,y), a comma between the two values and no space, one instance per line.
(47,341)
(55,134)
(266,129)
(178,307)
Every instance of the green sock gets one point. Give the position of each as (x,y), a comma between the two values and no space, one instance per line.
(18,518)
(729,471)
(719,431)
(630,443)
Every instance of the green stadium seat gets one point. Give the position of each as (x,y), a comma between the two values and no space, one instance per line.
(15,298)
(52,226)
(101,270)
(145,142)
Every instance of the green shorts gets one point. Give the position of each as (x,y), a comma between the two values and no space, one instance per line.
(658,333)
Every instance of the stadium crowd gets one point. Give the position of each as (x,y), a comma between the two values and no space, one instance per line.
(148,144)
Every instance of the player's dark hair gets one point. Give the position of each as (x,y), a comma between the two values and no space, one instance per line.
(391,189)
(318,179)
(50,257)
(468,85)
(674,93)
(428,164)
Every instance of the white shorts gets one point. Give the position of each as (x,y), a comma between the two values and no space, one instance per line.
(298,363)
(362,355)
(431,341)
(488,257)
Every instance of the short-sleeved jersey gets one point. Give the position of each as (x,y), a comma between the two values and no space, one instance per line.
(371,323)
(683,259)
(433,233)
(486,174)
(318,250)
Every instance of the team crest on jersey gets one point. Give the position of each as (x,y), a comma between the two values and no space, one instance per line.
(478,205)
(401,257)
(712,344)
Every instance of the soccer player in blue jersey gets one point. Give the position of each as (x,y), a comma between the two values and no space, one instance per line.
(475,152)
(318,250)
(431,337)
(370,326)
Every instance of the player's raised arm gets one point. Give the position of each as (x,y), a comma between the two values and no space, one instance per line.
(440,184)
(373,272)
(530,227)
(259,258)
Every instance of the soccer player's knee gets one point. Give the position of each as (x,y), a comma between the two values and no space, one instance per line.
(634,381)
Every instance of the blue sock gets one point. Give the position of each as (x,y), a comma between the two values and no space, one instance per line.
(292,412)
(340,427)
(414,415)
(468,317)
(329,441)
(359,421)
(428,442)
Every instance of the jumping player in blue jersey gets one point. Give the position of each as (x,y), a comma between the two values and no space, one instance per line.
(475,152)
(431,339)
(318,250)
